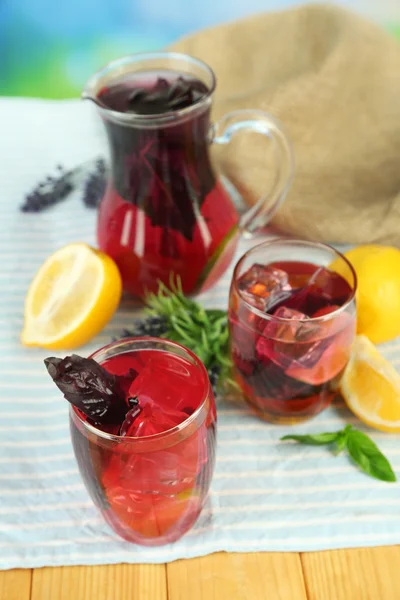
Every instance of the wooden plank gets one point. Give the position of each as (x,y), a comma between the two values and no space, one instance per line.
(258,576)
(355,574)
(105,582)
(15,584)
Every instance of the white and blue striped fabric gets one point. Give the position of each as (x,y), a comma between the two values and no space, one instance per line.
(265,495)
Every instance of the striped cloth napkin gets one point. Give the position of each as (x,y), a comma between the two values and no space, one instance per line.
(265,495)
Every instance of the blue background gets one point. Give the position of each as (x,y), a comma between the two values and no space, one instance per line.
(50,47)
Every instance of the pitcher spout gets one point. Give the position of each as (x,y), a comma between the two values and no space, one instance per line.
(87,96)
(91,91)
(97,82)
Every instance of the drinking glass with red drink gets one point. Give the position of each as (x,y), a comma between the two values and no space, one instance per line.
(145,446)
(292,320)
(165,213)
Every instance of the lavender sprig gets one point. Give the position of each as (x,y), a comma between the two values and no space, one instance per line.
(56,188)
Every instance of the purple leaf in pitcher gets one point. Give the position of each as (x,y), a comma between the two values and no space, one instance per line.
(165,96)
(164,170)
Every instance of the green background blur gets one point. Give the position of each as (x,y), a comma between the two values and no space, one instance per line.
(49,48)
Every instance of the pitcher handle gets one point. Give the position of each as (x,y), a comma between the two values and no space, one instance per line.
(233,123)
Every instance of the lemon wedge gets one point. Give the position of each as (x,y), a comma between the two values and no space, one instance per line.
(371,387)
(71,298)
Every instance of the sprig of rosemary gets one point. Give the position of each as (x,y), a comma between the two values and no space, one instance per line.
(202,330)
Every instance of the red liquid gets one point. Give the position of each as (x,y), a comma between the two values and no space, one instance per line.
(289,370)
(151,489)
(164,212)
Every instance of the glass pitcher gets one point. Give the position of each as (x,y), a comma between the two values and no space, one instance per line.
(165,213)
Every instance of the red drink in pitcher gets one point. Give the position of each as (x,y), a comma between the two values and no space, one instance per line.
(292,323)
(164,211)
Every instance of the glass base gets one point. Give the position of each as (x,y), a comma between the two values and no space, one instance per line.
(175,533)
(288,418)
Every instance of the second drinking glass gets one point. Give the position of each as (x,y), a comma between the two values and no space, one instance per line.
(292,322)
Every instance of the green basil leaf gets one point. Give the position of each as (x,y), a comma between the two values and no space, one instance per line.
(318,439)
(341,443)
(366,454)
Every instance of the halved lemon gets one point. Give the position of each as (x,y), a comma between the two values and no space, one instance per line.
(378,290)
(71,298)
(371,387)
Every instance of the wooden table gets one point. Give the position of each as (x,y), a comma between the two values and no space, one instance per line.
(364,574)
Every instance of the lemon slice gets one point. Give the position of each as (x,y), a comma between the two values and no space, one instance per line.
(371,387)
(71,298)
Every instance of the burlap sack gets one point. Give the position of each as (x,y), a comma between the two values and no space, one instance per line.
(333,79)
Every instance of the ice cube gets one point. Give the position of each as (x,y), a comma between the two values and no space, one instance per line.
(338,334)
(297,342)
(168,382)
(150,418)
(298,328)
(261,285)
(166,471)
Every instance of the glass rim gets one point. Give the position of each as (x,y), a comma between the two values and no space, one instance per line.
(287,242)
(156,436)
(170,115)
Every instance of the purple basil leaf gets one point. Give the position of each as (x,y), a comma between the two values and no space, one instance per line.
(89,387)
